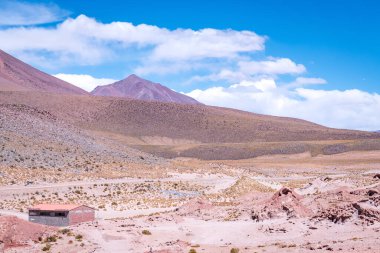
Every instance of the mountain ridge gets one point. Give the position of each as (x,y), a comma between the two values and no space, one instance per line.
(136,87)
(16,75)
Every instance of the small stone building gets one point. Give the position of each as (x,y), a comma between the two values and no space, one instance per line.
(60,215)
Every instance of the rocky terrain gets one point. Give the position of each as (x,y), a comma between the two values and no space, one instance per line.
(266,204)
(138,88)
(33,138)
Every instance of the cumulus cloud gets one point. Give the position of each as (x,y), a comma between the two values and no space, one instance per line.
(310,80)
(254,70)
(23,13)
(166,68)
(86,82)
(87,41)
(223,74)
(352,109)
(271,67)
(306,81)
(207,43)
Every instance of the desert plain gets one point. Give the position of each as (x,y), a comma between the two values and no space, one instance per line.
(276,203)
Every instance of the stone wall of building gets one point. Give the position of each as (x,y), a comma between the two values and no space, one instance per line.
(50,220)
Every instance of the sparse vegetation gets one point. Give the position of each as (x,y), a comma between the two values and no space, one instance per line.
(47,247)
(52,238)
(146,232)
(79,237)
(64,231)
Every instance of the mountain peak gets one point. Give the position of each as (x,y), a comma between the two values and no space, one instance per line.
(133,76)
(136,87)
(134,79)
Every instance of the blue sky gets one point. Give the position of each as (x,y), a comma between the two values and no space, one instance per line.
(316,60)
(338,39)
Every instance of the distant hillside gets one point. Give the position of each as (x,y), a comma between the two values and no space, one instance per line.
(37,138)
(138,88)
(16,75)
(64,129)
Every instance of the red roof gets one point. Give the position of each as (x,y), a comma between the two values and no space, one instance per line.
(55,207)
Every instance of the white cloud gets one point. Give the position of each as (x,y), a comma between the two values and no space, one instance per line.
(310,80)
(84,40)
(223,74)
(85,82)
(352,109)
(60,46)
(271,67)
(305,81)
(207,43)
(165,68)
(23,13)
(262,85)
(254,70)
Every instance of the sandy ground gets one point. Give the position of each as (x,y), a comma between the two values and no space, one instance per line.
(216,236)
(330,203)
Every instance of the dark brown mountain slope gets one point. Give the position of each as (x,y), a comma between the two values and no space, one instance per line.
(138,88)
(17,75)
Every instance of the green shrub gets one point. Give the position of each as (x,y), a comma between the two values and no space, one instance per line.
(234,250)
(79,237)
(146,232)
(64,231)
(47,247)
(51,239)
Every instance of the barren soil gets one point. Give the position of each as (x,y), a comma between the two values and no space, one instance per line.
(278,203)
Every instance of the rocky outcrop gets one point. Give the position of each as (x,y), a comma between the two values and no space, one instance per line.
(284,203)
(358,205)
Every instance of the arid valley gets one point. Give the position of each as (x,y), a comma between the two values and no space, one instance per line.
(189,126)
(279,203)
(174,177)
